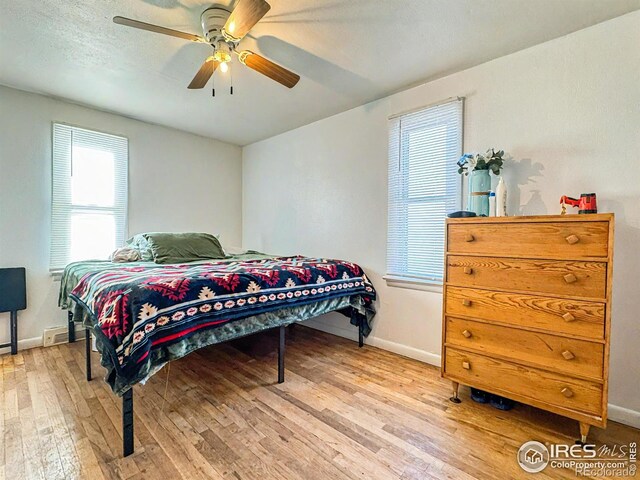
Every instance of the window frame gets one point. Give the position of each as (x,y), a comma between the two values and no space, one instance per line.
(409,281)
(120,209)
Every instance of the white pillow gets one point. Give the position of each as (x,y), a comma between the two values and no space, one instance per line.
(125,254)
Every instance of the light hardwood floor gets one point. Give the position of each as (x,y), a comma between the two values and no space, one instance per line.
(342,413)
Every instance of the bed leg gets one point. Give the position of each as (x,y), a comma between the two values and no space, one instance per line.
(127,423)
(360,334)
(87,349)
(72,327)
(281,355)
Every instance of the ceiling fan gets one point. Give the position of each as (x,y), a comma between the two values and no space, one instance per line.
(223,30)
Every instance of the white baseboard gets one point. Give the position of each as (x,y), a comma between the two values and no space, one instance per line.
(624,416)
(400,349)
(411,352)
(345,332)
(27,343)
(24,344)
(616,413)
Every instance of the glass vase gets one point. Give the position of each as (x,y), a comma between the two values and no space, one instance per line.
(479,188)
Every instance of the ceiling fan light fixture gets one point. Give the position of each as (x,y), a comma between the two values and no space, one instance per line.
(222,53)
(221,57)
(224,67)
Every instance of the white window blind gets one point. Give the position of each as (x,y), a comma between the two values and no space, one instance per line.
(89,194)
(423,187)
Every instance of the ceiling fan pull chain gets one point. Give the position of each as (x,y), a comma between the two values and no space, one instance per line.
(231,78)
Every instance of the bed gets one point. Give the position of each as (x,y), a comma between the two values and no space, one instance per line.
(144,315)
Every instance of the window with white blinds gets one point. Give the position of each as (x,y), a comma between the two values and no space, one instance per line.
(424,186)
(89,194)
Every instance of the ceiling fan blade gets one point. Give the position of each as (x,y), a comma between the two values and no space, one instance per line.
(246,14)
(204,74)
(267,67)
(157,29)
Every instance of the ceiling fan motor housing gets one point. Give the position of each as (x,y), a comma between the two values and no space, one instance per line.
(213,20)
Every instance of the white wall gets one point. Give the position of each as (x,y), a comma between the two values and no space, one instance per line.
(177,182)
(568,113)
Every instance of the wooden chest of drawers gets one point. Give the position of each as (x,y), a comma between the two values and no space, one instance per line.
(526,313)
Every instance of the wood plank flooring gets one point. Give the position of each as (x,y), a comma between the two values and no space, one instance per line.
(342,413)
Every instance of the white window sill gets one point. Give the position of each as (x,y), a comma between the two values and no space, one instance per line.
(413,283)
(56,274)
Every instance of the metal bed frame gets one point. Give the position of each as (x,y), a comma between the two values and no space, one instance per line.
(127,397)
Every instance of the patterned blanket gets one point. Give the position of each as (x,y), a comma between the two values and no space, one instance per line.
(139,309)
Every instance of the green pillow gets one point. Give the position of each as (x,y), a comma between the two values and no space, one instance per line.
(183,247)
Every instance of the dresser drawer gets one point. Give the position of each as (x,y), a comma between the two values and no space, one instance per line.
(554,315)
(560,354)
(542,239)
(574,278)
(538,385)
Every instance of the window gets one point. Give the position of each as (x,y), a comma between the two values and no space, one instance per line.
(89,197)
(424,186)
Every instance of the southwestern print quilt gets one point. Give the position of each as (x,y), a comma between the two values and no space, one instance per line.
(136,310)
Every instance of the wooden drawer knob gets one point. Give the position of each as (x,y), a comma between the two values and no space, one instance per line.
(466,333)
(567,392)
(469,238)
(570,278)
(568,355)
(569,317)
(468,270)
(466,302)
(571,239)
(466,365)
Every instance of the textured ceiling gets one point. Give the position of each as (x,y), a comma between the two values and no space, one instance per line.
(347,52)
